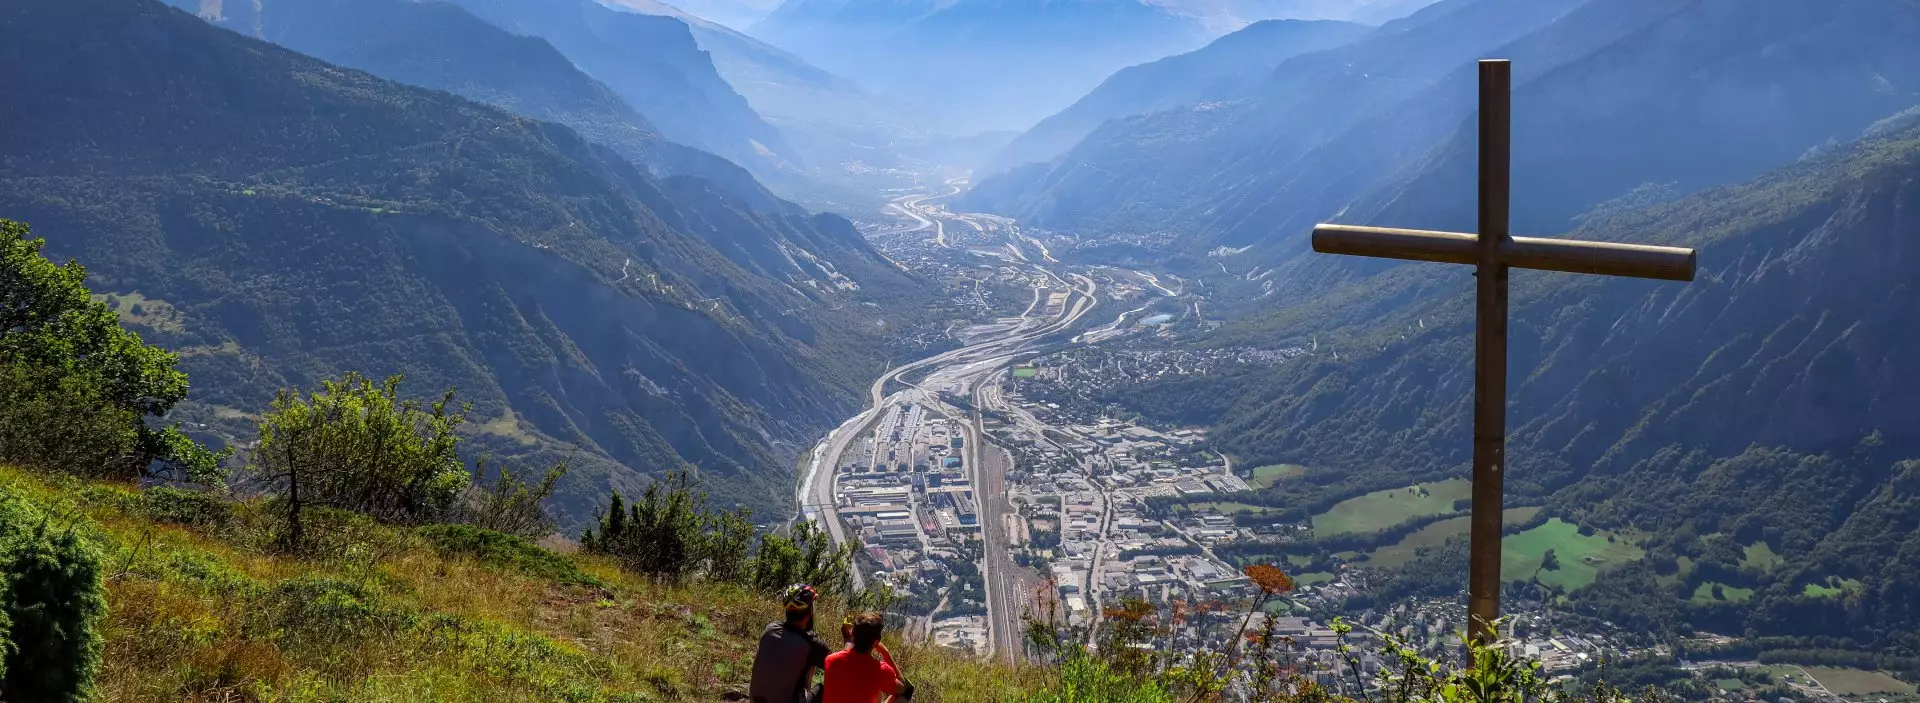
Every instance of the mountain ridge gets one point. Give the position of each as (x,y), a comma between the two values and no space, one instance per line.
(305,219)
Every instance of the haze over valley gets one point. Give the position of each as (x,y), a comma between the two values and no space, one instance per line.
(1002,317)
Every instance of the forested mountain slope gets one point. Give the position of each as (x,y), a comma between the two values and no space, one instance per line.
(1772,400)
(1610,96)
(656,66)
(285,220)
(442,46)
(1175,168)
(1223,68)
(829,120)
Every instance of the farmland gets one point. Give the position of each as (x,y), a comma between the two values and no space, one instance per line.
(1266,476)
(1396,555)
(1581,557)
(1383,509)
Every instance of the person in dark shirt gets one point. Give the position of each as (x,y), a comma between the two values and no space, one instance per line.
(783,665)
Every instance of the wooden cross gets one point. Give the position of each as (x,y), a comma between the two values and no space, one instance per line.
(1491,253)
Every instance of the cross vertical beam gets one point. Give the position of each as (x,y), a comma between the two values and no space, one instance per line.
(1490,351)
(1492,251)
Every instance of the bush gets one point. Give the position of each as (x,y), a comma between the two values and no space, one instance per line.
(509,504)
(324,617)
(504,550)
(50,604)
(356,445)
(183,507)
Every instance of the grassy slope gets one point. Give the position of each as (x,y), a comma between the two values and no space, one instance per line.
(1581,556)
(198,614)
(1383,509)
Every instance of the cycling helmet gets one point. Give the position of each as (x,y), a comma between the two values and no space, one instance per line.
(800,597)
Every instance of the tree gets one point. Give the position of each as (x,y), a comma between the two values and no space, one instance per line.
(671,535)
(78,386)
(510,504)
(809,556)
(357,446)
(1549,561)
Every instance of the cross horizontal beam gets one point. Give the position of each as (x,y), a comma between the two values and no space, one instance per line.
(1568,255)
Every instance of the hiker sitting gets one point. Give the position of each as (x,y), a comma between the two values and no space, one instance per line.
(783,665)
(854,676)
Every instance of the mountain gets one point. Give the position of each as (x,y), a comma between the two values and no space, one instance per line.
(1771,400)
(1176,169)
(299,219)
(1227,67)
(1609,96)
(982,64)
(738,14)
(655,65)
(835,125)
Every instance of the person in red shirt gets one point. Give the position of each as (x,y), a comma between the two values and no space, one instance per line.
(854,676)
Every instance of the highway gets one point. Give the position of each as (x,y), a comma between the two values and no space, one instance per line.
(965,372)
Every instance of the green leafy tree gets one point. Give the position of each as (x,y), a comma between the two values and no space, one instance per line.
(1549,561)
(357,445)
(77,388)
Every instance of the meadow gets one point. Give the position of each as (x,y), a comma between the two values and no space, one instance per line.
(1383,509)
(1581,557)
(1396,555)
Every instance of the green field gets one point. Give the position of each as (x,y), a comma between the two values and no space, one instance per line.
(1857,682)
(1266,476)
(1761,556)
(1383,509)
(1704,594)
(1025,372)
(1581,557)
(1833,587)
(1396,555)
(1309,579)
(1226,507)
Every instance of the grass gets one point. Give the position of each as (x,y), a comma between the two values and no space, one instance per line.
(1582,557)
(137,309)
(1313,577)
(1025,372)
(1398,554)
(507,426)
(1226,507)
(1759,555)
(1730,684)
(203,613)
(1857,682)
(1731,594)
(1383,509)
(1266,476)
(1833,587)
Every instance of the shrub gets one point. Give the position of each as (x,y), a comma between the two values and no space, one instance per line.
(356,445)
(504,550)
(50,604)
(509,504)
(184,507)
(323,618)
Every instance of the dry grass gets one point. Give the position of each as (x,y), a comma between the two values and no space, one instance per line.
(204,614)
